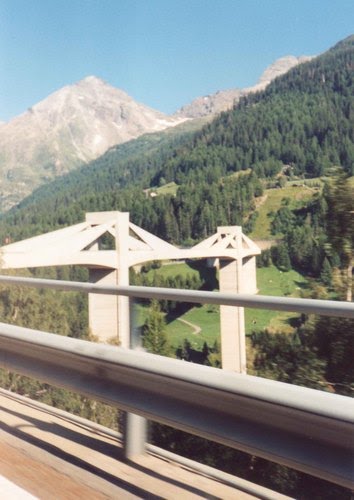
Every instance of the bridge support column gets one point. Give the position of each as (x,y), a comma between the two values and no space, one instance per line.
(103,309)
(232,322)
(122,247)
(109,314)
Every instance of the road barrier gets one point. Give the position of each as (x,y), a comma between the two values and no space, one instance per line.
(308,430)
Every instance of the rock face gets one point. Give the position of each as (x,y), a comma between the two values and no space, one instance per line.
(278,68)
(225,99)
(210,104)
(70,127)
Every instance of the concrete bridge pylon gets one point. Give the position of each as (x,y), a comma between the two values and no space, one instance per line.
(229,249)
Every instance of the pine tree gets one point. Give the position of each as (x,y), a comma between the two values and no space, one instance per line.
(326,273)
(280,256)
(340,223)
(154,331)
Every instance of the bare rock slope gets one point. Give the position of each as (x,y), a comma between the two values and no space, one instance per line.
(72,126)
(225,99)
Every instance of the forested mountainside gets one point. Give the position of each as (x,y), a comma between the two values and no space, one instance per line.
(301,125)
(303,120)
(124,165)
(80,122)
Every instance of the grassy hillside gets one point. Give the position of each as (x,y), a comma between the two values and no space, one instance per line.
(270,281)
(297,193)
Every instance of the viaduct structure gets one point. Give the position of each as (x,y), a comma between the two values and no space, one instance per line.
(109,315)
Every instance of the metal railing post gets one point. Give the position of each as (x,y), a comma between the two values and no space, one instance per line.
(134,435)
(134,426)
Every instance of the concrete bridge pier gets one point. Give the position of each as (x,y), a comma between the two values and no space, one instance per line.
(103,309)
(109,315)
(232,322)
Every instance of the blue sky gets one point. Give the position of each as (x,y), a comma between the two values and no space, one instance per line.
(163,53)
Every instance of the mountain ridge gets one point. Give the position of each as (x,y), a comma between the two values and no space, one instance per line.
(79,122)
(222,100)
(72,126)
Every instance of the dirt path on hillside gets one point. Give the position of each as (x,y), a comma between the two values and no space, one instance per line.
(266,244)
(196,329)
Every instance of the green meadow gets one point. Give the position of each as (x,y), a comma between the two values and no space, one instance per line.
(202,323)
(271,201)
(169,188)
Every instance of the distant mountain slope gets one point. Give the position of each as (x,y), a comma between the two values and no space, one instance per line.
(226,99)
(71,127)
(123,165)
(302,121)
(301,124)
(80,122)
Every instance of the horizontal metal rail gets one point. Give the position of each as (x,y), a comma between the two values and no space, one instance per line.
(302,428)
(308,306)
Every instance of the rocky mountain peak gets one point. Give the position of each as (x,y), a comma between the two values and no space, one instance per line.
(91,80)
(281,66)
(72,126)
(213,104)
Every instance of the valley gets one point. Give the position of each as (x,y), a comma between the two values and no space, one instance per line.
(277,159)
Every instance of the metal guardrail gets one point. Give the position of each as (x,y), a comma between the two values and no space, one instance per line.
(302,428)
(308,306)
